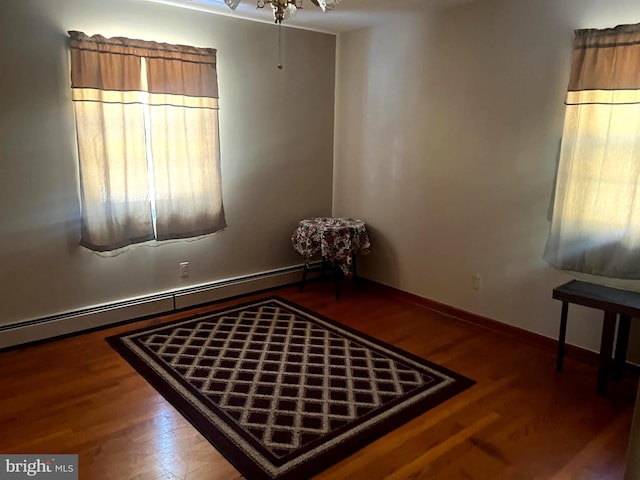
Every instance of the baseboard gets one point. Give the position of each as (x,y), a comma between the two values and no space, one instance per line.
(99,316)
(520,334)
(232,288)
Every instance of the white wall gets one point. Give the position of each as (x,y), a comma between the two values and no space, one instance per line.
(447,134)
(276,134)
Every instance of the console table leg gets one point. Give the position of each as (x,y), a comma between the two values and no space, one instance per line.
(622,342)
(562,336)
(606,349)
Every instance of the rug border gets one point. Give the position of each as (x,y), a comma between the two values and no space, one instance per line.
(235,455)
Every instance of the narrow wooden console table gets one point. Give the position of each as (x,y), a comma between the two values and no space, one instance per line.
(613,302)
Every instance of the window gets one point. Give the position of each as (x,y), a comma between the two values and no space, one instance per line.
(147,128)
(595,226)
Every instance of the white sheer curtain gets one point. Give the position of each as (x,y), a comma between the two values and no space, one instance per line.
(595,225)
(147,125)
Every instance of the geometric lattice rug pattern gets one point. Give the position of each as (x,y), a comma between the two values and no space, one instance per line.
(280,391)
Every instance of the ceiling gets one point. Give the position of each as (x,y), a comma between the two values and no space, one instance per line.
(349,15)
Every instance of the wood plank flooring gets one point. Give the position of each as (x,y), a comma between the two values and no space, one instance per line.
(521,420)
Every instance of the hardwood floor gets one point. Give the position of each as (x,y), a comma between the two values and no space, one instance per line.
(521,420)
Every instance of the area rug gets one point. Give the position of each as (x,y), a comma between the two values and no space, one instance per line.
(283,392)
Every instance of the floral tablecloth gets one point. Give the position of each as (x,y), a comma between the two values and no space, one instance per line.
(336,239)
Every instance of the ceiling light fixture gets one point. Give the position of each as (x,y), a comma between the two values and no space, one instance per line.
(286,9)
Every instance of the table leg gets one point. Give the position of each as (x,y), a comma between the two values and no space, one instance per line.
(606,349)
(355,271)
(562,336)
(304,276)
(622,342)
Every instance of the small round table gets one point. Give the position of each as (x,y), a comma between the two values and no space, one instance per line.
(337,240)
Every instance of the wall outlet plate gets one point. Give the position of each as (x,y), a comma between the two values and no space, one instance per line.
(184,269)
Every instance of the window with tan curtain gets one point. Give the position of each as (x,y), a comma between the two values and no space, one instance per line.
(147,128)
(595,226)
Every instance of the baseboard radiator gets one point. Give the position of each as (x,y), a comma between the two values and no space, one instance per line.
(98,316)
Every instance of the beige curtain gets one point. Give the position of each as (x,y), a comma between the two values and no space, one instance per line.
(147,124)
(595,225)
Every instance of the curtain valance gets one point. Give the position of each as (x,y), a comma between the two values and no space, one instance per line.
(606,59)
(115,64)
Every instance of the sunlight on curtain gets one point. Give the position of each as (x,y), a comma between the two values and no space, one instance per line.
(147,126)
(183,129)
(596,217)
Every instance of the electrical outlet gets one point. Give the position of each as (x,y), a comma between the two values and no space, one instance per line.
(475,282)
(184,269)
